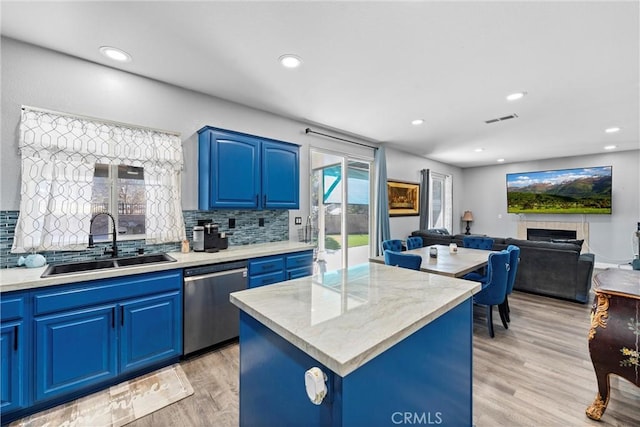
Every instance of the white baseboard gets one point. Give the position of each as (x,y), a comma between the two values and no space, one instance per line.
(604,265)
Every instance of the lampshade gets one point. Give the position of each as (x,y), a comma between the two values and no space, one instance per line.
(468,216)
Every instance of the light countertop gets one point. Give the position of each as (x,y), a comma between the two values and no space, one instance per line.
(21,278)
(347,317)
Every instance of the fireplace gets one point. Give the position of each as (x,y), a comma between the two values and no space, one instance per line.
(581,229)
(545,234)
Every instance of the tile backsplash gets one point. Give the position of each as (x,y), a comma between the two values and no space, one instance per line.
(246,231)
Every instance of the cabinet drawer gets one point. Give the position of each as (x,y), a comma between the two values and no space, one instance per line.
(105,291)
(295,273)
(301,259)
(12,306)
(266,279)
(266,265)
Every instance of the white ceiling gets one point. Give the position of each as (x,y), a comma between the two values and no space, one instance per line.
(370,68)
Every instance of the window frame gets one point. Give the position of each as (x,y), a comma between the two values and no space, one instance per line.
(446,200)
(112,208)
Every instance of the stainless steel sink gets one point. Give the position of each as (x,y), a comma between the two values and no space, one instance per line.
(144,259)
(84,266)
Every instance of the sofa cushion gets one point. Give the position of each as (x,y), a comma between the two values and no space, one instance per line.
(578,242)
(438,231)
(539,244)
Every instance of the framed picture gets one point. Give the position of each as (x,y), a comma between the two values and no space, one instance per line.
(404,198)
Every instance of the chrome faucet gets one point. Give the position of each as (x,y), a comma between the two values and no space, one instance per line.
(114,245)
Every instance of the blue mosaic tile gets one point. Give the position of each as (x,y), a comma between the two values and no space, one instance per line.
(247,231)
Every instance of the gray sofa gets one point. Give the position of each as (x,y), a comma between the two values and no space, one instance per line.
(555,269)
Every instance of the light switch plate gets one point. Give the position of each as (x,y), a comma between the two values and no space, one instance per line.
(298,220)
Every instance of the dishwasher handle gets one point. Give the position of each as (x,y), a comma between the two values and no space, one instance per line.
(217,274)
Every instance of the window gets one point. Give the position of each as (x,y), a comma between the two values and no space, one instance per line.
(440,201)
(74,167)
(120,191)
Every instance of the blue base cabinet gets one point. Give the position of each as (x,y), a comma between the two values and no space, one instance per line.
(150,330)
(14,351)
(93,332)
(241,171)
(74,350)
(424,379)
(277,268)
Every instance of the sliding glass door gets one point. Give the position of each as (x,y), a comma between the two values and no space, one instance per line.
(340,209)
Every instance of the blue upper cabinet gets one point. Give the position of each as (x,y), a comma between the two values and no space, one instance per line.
(280,176)
(240,171)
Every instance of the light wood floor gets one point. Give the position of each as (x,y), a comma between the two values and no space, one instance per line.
(536,373)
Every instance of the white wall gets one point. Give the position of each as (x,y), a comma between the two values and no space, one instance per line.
(402,166)
(42,78)
(611,236)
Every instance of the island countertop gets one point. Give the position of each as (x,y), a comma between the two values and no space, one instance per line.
(345,318)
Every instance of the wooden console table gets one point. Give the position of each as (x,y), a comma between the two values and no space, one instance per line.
(614,337)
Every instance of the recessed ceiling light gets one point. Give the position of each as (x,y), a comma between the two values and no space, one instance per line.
(500,160)
(417,122)
(516,96)
(479,150)
(612,130)
(290,61)
(115,54)
(610,147)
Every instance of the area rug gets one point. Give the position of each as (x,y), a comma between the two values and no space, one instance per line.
(118,405)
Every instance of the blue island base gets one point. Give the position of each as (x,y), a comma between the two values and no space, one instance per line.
(425,379)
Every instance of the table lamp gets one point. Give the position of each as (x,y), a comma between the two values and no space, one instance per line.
(468,216)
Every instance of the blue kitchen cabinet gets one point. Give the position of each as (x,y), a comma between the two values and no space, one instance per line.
(74,350)
(91,334)
(273,269)
(266,270)
(14,350)
(280,176)
(228,170)
(150,330)
(241,171)
(299,265)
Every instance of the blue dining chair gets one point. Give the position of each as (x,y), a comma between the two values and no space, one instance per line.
(392,245)
(494,285)
(403,260)
(514,260)
(476,242)
(414,242)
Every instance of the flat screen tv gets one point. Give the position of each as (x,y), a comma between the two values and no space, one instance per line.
(562,191)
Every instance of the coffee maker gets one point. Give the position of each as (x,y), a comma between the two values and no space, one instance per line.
(213,239)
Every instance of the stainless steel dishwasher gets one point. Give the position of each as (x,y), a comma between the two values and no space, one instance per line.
(209,317)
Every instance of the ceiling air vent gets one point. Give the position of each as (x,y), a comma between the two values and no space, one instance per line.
(500,119)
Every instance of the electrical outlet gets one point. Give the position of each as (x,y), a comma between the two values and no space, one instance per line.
(260,222)
(298,220)
(232,223)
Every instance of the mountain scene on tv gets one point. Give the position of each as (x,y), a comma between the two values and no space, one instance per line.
(573,191)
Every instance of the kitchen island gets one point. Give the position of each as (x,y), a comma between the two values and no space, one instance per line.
(392,346)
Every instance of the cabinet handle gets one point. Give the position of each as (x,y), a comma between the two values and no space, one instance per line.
(257,200)
(15,337)
(264,202)
(121,316)
(113,317)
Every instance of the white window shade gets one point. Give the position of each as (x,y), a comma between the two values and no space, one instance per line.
(59,152)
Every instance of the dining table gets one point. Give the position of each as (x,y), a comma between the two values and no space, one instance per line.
(447,262)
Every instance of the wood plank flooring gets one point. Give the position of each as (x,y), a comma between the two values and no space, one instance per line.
(536,373)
